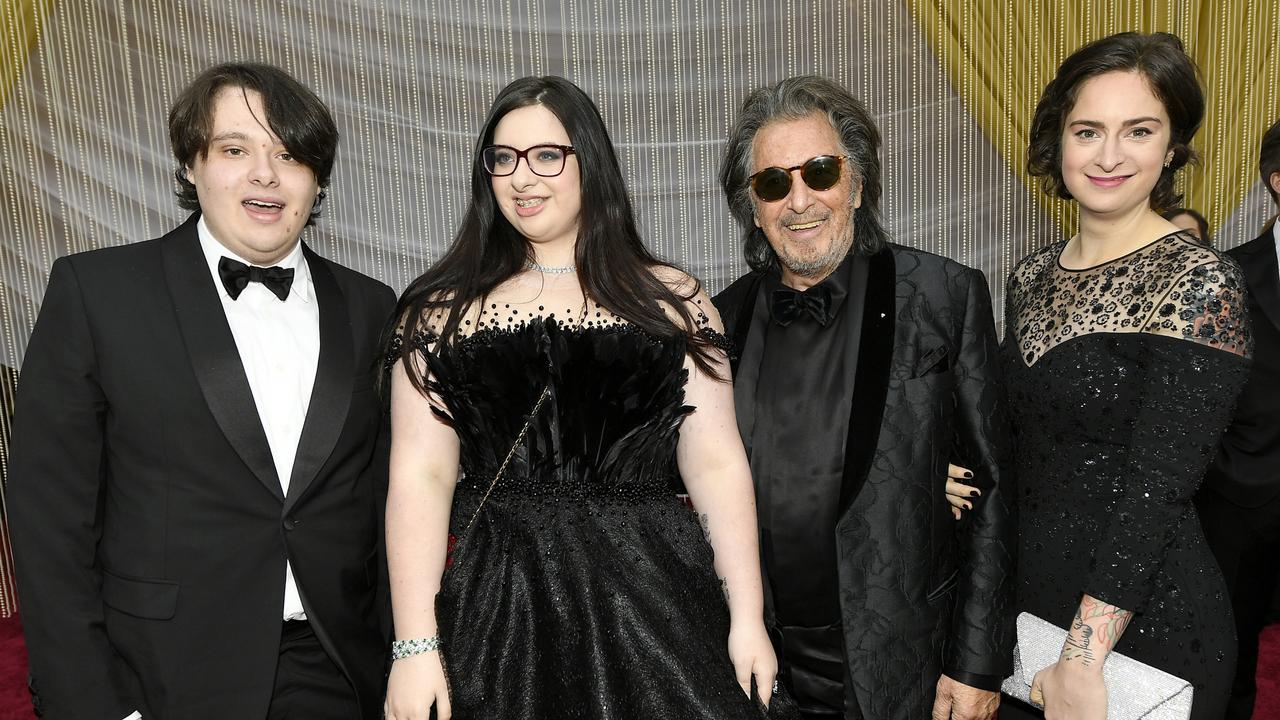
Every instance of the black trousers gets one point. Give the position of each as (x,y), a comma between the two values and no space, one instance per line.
(1246,542)
(309,686)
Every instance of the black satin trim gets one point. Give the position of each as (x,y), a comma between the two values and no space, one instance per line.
(212,350)
(737,305)
(990,683)
(816,667)
(871,384)
(331,391)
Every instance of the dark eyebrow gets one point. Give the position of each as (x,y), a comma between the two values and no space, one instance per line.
(1126,123)
(230,135)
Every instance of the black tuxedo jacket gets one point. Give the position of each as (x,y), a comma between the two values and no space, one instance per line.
(149,525)
(919,594)
(1247,468)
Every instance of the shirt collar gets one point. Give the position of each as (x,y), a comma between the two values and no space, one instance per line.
(215,251)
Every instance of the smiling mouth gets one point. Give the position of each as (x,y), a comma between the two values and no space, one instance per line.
(804,226)
(531,202)
(1115,180)
(263,205)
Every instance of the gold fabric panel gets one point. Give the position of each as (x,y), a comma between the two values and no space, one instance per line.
(999,55)
(19,29)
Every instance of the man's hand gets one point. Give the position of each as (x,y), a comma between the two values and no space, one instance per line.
(957,701)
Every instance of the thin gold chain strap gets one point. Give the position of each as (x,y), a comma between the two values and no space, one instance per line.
(546,392)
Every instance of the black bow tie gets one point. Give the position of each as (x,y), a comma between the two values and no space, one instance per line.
(236,276)
(786,305)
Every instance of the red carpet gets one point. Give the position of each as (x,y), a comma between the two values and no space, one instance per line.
(1268,705)
(15,702)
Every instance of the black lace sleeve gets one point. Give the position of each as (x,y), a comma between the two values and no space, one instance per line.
(1206,304)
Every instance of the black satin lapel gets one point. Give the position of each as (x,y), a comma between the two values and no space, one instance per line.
(871,381)
(331,393)
(213,353)
(742,322)
(1263,278)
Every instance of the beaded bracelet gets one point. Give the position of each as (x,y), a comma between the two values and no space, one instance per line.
(401,649)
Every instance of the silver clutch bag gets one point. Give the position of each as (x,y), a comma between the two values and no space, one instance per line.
(1135,690)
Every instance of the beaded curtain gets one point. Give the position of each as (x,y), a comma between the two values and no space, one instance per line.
(85,88)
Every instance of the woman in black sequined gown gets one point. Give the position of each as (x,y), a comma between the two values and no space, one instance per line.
(550,350)
(1124,353)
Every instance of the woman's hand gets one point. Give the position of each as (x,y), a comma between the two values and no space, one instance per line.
(752,654)
(416,683)
(958,493)
(1070,691)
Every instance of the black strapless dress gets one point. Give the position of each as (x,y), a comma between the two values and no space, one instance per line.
(584,587)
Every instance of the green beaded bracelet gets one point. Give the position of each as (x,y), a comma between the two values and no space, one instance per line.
(401,649)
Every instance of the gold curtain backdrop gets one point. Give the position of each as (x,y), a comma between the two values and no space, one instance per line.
(85,88)
(994,55)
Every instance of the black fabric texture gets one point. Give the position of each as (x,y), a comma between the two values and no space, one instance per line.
(804,374)
(585,587)
(1116,417)
(919,594)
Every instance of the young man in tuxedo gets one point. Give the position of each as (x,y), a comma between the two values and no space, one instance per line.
(1239,502)
(198,462)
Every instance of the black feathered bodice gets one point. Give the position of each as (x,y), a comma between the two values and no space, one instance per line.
(607,430)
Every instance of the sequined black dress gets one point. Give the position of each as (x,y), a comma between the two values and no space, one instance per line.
(1120,384)
(585,587)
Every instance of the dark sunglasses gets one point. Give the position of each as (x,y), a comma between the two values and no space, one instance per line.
(819,173)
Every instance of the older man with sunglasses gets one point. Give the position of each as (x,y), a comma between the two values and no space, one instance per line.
(863,367)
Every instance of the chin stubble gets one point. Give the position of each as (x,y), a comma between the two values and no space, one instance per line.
(822,264)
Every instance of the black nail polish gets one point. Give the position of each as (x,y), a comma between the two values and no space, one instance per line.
(968,474)
(973,493)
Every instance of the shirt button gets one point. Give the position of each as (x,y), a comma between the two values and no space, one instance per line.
(290,523)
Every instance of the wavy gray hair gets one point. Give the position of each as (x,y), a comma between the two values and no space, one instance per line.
(794,99)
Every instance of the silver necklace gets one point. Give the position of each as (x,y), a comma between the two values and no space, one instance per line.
(554,270)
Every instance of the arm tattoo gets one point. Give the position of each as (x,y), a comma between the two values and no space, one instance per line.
(1094,631)
(706,530)
(1079,642)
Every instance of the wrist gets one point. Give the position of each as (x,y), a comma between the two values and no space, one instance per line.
(747,623)
(1082,667)
(401,649)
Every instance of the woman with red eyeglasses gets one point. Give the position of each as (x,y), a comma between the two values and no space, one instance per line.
(553,387)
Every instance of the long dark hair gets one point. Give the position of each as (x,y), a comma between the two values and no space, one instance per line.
(615,269)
